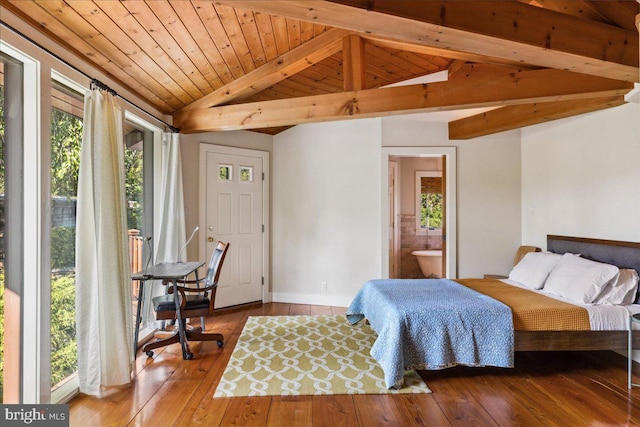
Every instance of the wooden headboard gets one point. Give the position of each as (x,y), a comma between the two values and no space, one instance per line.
(620,254)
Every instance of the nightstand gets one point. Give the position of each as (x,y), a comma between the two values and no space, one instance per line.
(634,318)
(495,276)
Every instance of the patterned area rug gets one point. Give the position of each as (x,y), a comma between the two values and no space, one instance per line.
(306,355)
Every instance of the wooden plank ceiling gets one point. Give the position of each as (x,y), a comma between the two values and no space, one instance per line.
(268,65)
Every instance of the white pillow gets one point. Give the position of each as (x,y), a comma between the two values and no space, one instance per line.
(580,280)
(623,291)
(533,269)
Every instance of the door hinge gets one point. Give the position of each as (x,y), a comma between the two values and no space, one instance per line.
(262,280)
(263,228)
(263,176)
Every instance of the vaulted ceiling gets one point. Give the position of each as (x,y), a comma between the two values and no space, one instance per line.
(267,65)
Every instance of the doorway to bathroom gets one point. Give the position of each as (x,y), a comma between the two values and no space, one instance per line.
(419,210)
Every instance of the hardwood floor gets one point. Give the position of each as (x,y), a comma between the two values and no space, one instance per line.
(544,389)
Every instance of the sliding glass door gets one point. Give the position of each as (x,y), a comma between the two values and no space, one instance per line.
(18,202)
(138,166)
(40,138)
(66,140)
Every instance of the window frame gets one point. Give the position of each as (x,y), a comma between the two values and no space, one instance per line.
(30,360)
(436,231)
(70,386)
(152,179)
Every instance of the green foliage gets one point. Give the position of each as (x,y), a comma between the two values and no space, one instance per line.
(431,210)
(64,350)
(225,172)
(134,188)
(66,140)
(63,248)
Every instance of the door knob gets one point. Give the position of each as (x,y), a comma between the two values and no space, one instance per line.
(210,239)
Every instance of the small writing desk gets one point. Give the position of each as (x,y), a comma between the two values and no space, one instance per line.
(170,271)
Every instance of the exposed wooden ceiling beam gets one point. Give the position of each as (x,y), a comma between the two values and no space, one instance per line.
(580,8)
(472,86)
(620,12)
(445,53)
(517,116)
(280,68)
(511,31)
(454,67)
(353,63)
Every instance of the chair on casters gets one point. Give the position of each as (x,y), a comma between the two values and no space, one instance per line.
(197,299)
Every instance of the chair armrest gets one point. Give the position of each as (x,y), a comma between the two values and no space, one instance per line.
(204,289)
(183,289)
(192,281)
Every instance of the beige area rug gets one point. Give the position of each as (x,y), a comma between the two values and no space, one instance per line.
(306,355)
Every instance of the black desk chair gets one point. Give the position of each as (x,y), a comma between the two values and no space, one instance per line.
(197,299)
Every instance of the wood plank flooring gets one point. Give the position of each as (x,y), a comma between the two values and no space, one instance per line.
(544,389)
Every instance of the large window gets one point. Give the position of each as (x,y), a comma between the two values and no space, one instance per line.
(429,202)
(138,178)
(18,202)
(11,103)
(1,229)
(66,140)
(40,138)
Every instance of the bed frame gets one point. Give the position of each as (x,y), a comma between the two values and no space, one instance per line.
(621,254)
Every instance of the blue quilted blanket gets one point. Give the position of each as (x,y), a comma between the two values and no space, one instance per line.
(432,324)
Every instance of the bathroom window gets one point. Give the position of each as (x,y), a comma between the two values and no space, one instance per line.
(428,202)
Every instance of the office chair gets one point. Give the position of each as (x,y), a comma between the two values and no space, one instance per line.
(197,299)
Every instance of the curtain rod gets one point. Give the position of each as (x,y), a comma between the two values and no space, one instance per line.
(94,82)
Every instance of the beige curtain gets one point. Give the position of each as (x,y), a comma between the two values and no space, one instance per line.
(172,222)
(171,236)
(103,293)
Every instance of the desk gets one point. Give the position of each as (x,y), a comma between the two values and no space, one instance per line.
(171,271)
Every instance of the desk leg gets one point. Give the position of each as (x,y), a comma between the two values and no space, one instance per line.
(138,309)
(186,351)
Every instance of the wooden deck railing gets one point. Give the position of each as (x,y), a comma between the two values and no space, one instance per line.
(135,259)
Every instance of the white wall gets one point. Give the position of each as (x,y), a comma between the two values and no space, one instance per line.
(408,167)
(581,177)
(327,204)
(326,211)
(189,150)
(489,217)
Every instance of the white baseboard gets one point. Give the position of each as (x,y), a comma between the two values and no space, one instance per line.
(312,299)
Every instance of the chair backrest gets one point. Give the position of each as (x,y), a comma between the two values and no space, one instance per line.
(217,258)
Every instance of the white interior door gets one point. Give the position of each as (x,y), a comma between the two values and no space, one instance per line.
(233,213)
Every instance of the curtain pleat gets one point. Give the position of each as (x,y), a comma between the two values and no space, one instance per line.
(172,221)
(171,236)
(103,292)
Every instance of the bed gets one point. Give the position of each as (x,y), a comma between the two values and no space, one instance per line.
(496,335)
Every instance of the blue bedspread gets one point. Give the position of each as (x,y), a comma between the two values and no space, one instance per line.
(433,324)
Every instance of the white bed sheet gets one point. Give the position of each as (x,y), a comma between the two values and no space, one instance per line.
(602,317)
